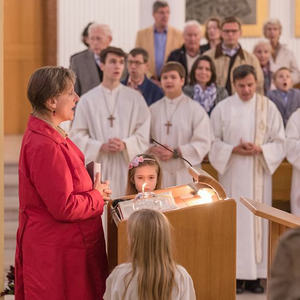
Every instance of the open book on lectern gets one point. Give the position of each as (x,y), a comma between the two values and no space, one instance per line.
(162,202)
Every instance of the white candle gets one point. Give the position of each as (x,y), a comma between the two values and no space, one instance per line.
(143,187)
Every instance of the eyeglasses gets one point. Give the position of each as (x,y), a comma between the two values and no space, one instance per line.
(233,31)
(135,62)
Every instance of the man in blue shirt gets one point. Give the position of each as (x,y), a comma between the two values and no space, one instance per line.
(137,65)
(159,39)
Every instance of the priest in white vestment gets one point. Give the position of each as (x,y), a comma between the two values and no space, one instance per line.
(181,124)
(112,123)
(247,149)
(293,156)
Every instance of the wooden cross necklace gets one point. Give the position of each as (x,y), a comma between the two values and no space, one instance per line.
(111,117)
(169,123)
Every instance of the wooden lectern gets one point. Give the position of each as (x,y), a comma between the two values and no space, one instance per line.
(279,222)
(204,238)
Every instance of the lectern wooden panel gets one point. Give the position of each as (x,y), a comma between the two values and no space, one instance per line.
(204,243)
(279,222)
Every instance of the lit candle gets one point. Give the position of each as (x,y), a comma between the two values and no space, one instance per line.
(143,187)
(205,196)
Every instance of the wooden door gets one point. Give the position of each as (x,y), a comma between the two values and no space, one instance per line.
(26,47)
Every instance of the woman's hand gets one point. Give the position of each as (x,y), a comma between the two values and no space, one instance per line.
(103,188)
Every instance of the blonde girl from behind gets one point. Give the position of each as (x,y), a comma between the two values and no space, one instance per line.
(152,273)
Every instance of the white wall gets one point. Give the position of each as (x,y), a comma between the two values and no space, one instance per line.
(125,17)
(73,15)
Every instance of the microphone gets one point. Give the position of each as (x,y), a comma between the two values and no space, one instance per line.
(152,140)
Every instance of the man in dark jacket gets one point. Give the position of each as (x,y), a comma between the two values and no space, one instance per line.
(137,65)
(191,49)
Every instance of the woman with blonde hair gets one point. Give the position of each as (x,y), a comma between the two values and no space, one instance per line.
(212,33)
(281,55)
(152,273)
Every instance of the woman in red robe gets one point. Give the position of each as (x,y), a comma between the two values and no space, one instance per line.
(60,251)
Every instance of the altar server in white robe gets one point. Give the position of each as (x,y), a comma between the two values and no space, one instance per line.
(247,149)
(112,122)
(293,156)
(181,124)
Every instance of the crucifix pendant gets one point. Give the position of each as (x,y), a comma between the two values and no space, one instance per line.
(111,118)
(168,125)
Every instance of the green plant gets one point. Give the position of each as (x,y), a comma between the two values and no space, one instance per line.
(10,289)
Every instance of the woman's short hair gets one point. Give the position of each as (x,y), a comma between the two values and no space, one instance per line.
(46,83)
(272,21)
(262,42)
(173,66)
(213,78)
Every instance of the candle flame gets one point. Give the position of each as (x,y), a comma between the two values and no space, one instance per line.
(205,196)
(143,186)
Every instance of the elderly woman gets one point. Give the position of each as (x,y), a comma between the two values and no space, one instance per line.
(262,50)
(212,34)
(281,55)
(60,242)
(203,87)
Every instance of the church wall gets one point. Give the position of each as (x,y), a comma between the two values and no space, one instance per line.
(73,15)
(1,155)
(127,16)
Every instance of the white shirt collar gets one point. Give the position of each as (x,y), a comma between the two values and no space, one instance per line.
(108,91)
(249,101)
(175,100)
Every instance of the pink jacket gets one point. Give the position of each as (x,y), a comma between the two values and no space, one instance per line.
(60,243)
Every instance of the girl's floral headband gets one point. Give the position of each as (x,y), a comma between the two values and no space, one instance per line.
(137,160)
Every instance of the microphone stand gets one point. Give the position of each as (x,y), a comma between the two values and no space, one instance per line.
(152,140)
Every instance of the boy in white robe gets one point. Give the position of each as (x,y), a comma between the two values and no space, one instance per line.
(293,156)
(181,124)
(112,122)
(247,149)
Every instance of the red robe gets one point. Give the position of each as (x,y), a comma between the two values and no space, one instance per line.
(60,251)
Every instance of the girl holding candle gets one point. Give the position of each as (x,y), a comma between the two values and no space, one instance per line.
(144,171)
